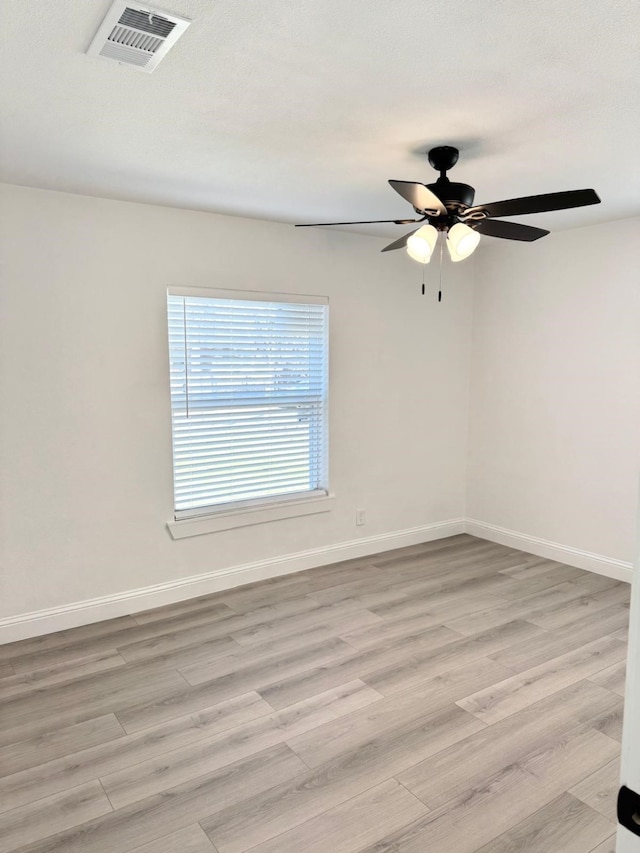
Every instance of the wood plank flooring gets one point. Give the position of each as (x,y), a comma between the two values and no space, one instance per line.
(451,697)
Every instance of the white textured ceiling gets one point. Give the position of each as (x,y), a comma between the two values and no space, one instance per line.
(300,110)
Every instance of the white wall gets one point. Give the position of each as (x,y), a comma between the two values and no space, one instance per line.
(85,442)
(85,453)
(554,448)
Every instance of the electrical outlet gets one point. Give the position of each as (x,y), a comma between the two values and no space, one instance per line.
(360,517)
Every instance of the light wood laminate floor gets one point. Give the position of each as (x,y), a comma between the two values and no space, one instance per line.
(450,697)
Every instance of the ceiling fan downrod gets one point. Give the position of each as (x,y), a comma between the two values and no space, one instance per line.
(455,196)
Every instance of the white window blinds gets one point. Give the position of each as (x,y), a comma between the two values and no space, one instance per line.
(248,398)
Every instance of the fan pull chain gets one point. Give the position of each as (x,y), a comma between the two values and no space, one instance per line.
(423,268)
(443,237)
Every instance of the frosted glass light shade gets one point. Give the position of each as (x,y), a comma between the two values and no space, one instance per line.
(421,243)
(461,241)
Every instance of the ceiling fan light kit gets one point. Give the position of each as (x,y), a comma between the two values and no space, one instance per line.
(421,244)
(447,206)
(462,241)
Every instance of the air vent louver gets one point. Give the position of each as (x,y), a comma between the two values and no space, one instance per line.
(146,22)
(136,36)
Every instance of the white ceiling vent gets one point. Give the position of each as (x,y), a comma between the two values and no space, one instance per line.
(140,36)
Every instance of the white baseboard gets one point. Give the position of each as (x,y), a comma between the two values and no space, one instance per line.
(23,626)
(551,550)
(40,622)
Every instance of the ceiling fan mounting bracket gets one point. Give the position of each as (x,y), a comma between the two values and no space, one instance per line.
(443,158)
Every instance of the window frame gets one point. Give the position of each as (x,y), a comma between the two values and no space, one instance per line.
(241,513)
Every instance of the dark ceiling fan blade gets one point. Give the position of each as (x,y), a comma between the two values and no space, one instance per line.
(536,203)
(400,242)
(419,196)
(508,230)
(363,222)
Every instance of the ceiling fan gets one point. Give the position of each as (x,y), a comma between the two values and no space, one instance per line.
(447,207)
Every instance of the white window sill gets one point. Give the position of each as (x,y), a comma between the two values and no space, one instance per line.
(245,517)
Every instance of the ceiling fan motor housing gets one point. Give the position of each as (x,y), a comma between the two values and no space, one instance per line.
(454,196)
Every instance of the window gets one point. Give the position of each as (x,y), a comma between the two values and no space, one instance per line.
(248,398)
